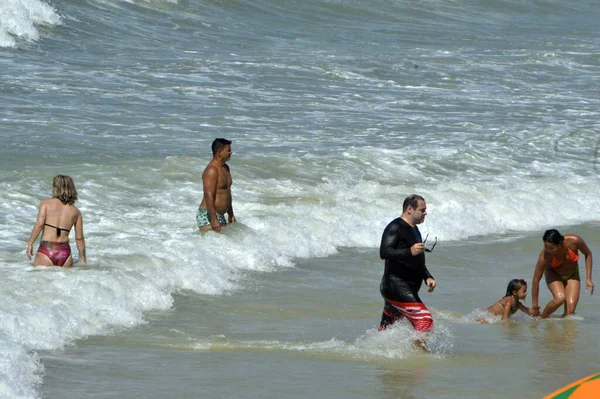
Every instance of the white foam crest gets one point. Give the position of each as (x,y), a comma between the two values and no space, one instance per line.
(460,210)
(486,199)
(20,19)
(143,244)
(394,343)
(399,340)
(46,308)
(355,213)
(151,2)
(67,304)
(20,371)
(145,224)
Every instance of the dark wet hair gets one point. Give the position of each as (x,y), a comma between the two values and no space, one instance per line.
(552,236)
(412,200)
(515,285)
(219,144)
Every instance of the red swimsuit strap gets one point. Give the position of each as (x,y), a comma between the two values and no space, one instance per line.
(572,256)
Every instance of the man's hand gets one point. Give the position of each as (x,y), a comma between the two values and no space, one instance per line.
(430,282)
(417,249)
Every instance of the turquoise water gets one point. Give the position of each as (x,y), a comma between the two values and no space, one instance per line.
(337,111)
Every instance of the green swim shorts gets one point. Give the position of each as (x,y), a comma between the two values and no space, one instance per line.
(203,218)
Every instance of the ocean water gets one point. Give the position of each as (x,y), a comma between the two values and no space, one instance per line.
(337,111)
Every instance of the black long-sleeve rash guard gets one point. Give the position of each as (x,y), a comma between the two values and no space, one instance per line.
(396,241)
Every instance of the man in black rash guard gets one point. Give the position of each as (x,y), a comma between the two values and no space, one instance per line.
(404,254)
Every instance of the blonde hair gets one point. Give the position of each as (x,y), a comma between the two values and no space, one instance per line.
(63,188)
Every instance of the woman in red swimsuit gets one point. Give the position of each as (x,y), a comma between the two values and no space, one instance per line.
(59,214)
(558,262)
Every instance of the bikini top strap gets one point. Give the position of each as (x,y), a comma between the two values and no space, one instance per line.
(58,229)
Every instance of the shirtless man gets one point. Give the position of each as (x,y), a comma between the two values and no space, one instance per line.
(216,180)
(558,262)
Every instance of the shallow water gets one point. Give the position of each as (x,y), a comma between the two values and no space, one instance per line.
(337,111)
(310,331)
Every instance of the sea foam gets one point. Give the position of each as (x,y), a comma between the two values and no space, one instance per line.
(21,20)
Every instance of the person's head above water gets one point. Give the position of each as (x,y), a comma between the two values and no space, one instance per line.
(553,237)
(219,144)
(63,188)
(414,209)
(515,287)
(412,201)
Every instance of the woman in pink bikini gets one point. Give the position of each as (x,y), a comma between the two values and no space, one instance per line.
(59,214)
(558,261)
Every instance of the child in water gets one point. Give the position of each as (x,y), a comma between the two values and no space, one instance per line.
(507,306)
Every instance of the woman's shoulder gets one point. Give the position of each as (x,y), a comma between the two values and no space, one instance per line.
(48,204)
(72,208)
(572,239)
(56,204)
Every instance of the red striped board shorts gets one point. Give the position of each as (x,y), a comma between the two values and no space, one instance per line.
(415,312)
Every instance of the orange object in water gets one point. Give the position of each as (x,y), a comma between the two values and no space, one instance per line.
(585,388)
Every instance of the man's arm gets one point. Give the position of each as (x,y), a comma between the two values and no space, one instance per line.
(427,274)
(209,182)
(392,247)
(230,214)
